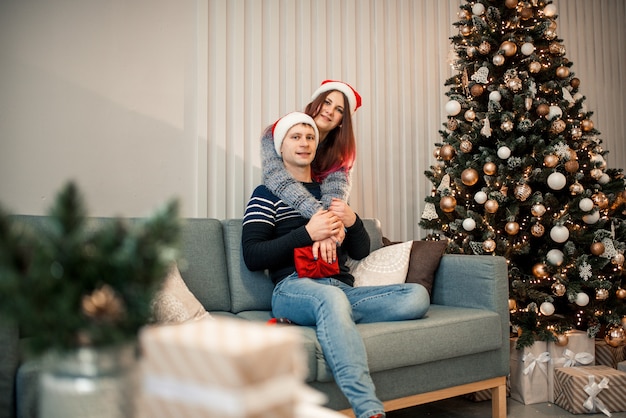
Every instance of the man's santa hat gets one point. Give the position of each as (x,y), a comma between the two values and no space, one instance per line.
(282,126)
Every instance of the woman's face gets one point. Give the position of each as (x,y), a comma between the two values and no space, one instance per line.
(331,113)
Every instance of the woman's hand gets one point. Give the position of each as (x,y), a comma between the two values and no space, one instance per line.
(343,212)
(327,249)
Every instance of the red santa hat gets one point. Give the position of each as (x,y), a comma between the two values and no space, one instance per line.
(353,96)
(282,126)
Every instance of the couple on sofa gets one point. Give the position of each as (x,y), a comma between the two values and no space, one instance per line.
(299,227)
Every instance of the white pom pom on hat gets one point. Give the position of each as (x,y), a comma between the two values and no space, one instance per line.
(353,96)
(282,126)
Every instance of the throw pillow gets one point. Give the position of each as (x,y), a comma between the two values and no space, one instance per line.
(174,302)
(386,265)
(424,261)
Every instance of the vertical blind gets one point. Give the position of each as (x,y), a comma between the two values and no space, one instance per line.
(264,58)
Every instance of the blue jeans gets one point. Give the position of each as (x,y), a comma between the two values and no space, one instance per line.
(335,308)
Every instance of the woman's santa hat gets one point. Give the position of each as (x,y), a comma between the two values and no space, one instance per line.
(282,126)
(353,96)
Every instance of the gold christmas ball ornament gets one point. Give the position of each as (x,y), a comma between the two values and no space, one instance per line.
(576,188)
(620,293)
(550,160)
(576,132)
(597,248)
(600,200)
(465,146)
(586,125)
(489,245)
(562,72)
(558,289)
(498,60)
(470,115)
(508,48)
(447,204)
(540,271)
(511,228)
(526,12)
(602,294)
(477,89)
(452,124)
(537,230)
(511,4)
(469,177)
(491,206)
(512,305)
(466,30)
(534,67)
(558,126)
(522,192)
(538,210)
(484,48)
(574,82)
(447,152)
(615,336)
(436,153)
(618,259)
(556,48)
(561,340)
(571,166)
(514,84)
(543,109)
(489,168)
(507,126)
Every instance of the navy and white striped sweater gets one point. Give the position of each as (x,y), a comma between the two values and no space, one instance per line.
(272,230)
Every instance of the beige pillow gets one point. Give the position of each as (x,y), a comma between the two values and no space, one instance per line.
(175,303)
(387,265)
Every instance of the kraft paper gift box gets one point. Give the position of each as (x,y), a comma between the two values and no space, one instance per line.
(607,355)
(220,368)
(579,351)
(529,372)
(590,389)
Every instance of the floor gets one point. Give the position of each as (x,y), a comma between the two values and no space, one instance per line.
(464,408)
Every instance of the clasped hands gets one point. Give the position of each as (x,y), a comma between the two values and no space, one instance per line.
(327,229)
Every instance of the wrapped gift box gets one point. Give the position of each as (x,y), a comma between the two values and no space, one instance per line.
(590,389)
(529,372)
(222,368)
(579,351)
(607,355)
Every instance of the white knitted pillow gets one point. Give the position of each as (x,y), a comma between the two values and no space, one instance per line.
(174,302)
(387,265)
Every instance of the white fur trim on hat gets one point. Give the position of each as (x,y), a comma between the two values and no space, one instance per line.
(282,126)
(353,96)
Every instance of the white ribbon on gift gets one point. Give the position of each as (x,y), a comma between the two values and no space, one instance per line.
(593,389)
(532,361)
(571,359)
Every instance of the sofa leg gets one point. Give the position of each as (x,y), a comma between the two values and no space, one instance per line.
(498,401)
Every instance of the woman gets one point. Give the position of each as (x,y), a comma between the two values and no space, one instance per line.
(332,106)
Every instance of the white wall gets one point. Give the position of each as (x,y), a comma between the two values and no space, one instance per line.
(144,100)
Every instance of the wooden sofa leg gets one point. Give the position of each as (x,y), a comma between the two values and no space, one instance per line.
(498,401)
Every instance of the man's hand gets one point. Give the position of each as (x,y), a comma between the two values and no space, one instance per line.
(343,211)
(324,224)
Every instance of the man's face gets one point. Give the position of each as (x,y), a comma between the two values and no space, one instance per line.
(298,147)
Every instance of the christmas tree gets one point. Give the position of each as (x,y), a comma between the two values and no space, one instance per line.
(521,173)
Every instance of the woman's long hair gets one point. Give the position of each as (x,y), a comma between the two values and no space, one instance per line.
(338,150)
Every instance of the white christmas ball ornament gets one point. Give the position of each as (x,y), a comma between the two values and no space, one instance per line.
(585,204)
(528,48)
(478,9)
(604,179)
(591,218)
(504,152)
(453,108)
(549,10)
(547,308)
(469,224)
(554,112)
(480,197)
(556,181)
(495,96)
(555,257)
(582,299)
(559,233)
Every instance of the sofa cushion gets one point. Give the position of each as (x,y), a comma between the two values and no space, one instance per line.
(425,259)
(444,333)
(203,263)
(174,302)
(250,290)
(384,266)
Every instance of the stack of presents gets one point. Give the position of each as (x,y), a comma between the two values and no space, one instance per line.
(581,375)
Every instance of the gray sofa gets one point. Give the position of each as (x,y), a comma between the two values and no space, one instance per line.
(461,346)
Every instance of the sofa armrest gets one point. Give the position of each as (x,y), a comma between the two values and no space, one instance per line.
(473,281)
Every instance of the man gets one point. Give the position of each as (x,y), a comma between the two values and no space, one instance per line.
(272,231)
